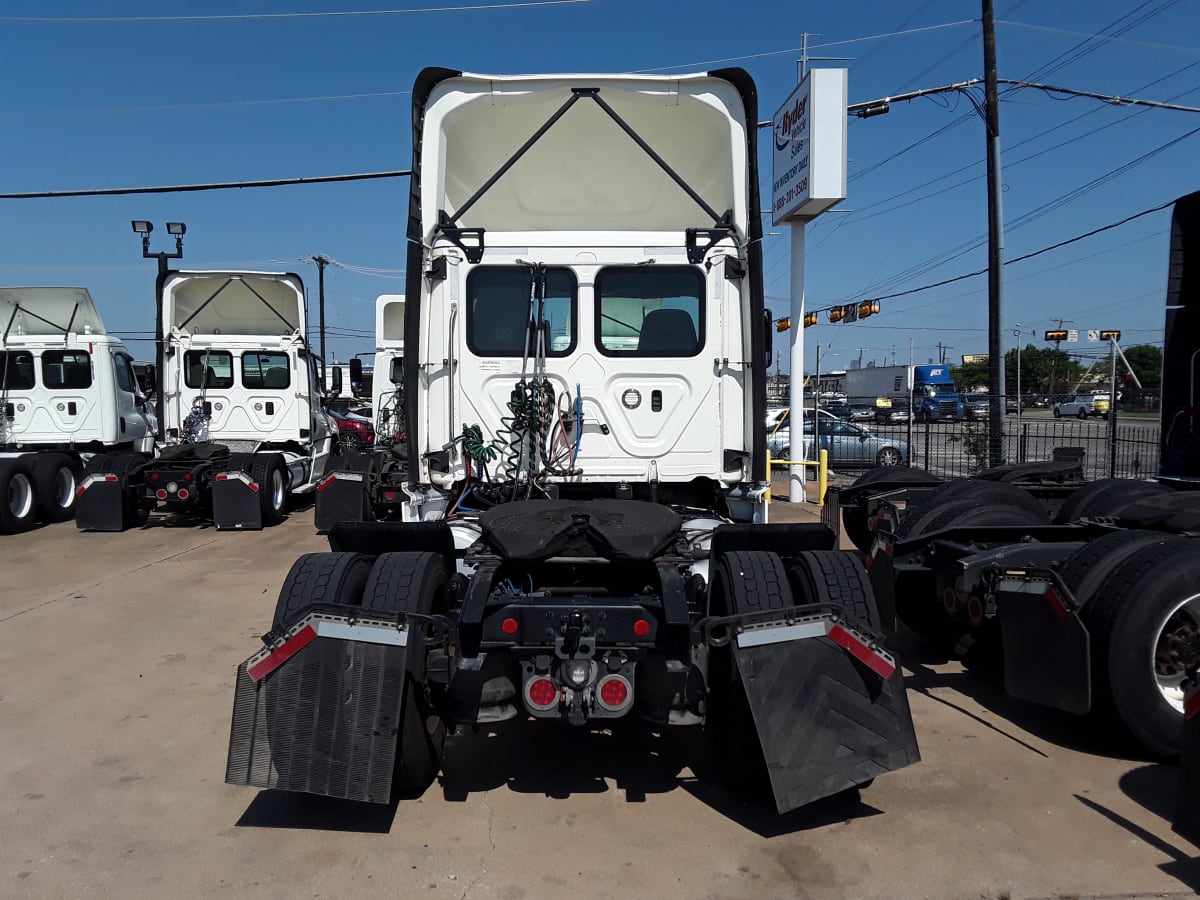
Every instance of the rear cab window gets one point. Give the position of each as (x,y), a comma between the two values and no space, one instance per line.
(208,369)
(266,371)
(500,308)
(16,370)
(650,311)
(66,369)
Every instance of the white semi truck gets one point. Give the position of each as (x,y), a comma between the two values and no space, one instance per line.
(239,409)
(67,392)
(583,533)
(368,483)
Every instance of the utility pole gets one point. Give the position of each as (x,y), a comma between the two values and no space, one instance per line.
(321,262)
(1054,359)
(942,348)
(995,244)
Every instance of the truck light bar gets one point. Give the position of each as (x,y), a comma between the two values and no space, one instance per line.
(314,626)
(93,479)
(858,645)
(238,476)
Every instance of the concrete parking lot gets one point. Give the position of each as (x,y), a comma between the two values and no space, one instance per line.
(117,658)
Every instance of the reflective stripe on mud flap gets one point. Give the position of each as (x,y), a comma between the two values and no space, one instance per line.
(338,476)
(1027,586)
(883,543)
(93,479)
(1191,705)
(878,661)
(309,629)
(239,476)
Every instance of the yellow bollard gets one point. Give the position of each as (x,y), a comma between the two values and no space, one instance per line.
(768,494)
(822,475)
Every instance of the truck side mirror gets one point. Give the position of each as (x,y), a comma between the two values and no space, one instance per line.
(396,372)
(335,389)
(769,341)
(355,371)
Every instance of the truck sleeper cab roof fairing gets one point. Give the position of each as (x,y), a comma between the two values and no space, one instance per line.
(686,147)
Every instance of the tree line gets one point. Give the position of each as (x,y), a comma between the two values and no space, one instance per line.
(1047,372)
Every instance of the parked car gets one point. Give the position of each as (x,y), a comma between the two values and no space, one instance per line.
(1082,406)
(837,407)
(862,412)
(897,413)
(976,405)
(850,446)
(353,431)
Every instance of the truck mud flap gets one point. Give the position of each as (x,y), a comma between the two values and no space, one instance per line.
(1186,822)
(341,497)
(100,503)
(235,502)
(1047,649)
(319,710)
(828,703)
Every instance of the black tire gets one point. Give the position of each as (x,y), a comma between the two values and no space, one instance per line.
(854,520)
(979,490)
(268,471)
(834,577)
(135,512)
(742,581)
(322,578)
(1125,618)
(18,501)
(1106,497)
(1082,414)
(55,480)
(416,583)
(1057,413)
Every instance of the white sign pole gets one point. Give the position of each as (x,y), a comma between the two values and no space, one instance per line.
(809,177)
(796,474)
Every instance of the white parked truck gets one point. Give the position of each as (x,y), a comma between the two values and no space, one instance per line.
(368,482)
(239,409)
(67,392)
(584,529)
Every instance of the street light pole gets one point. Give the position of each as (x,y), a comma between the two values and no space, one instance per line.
(995,243)
(321,262)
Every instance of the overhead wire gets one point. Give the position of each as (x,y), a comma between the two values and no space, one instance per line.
(290,15)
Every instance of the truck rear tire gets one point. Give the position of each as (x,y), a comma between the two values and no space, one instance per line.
(1141,622)
(17,503)
(1106,497)
(268,471)
(743,581)
(322,578)
(854,520)
(55,480)
(981,492)
(409,582)
(835,578)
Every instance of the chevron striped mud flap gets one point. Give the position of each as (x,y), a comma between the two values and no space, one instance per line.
(828,703)
(1187,798)
(319,710)
(341,497)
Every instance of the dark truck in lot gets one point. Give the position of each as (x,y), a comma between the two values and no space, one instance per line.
(1087,592)
(582,535)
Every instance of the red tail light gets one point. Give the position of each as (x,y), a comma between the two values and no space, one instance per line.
(509,626)
(183,494)
(542,693)
(160,494)
(614,693)
(641,628)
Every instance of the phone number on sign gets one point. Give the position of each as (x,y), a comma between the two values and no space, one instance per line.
(791,194)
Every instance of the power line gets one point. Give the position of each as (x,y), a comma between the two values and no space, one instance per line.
(1016,259)
(217,104)
(1108,39)
(292,15)
(217,186)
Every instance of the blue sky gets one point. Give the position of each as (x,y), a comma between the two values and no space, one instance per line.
(123,103)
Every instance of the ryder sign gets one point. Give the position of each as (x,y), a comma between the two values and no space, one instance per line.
(809,134)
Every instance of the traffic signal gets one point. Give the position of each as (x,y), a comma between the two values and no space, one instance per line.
(1056,335)
(1110,335)
(810,319)
(837,314)
(783,324)
(868,308)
